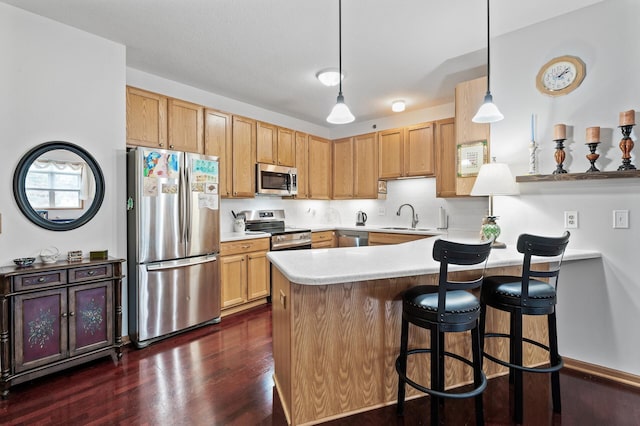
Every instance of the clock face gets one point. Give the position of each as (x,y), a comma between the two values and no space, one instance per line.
(560,75)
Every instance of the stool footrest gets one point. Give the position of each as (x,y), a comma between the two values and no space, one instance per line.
(442,394)
(551,369)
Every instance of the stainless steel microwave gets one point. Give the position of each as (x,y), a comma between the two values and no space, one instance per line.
(276,180)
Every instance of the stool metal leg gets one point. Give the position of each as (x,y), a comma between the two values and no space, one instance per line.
(404,342)
(437,373)
(555,360)
(477,373)
(517,373)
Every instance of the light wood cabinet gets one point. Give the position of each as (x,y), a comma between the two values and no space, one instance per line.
(343,165)
(323,239)
(469,97)
(146,118)
(391,152)
(217,141)
(446,158)
(275,145)
(407,152)
(355,171)
(157,121)
(365,174)
(244,274)
(243,144)
(319,168)
(302,164)
(185,126)
(385,238)
(286,147)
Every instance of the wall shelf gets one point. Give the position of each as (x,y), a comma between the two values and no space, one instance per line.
(579,176)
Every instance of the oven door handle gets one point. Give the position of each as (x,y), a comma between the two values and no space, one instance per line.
(293,244)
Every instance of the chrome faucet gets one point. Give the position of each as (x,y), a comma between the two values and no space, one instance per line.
(414,216)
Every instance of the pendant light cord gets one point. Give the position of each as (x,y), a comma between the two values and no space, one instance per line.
(488,52)
(340,44)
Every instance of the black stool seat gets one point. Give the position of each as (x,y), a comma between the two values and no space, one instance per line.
(526,295)
(447,307)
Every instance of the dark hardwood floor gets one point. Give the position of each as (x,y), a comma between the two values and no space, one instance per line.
(222,375)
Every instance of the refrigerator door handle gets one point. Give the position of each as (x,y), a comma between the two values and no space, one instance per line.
(188,200)
(182,202)
(181,262)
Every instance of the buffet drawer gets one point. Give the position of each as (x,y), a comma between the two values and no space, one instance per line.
(39,280)
(89,273)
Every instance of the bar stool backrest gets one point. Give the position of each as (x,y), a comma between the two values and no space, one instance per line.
(548,247)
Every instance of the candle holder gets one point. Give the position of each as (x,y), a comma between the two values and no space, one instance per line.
(533,158)
(626,145)
(559,156)
(593,156)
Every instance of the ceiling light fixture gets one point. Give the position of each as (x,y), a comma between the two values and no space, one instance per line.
(488,111)
(329,77)
(397,106)
(340,113)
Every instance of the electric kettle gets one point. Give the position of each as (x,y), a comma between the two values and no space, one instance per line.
(361,218)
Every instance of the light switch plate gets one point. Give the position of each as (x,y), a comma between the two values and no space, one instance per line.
(621,219)
(571,220)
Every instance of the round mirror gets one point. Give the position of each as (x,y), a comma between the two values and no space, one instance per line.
(58,186)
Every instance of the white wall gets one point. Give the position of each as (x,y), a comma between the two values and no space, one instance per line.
(59,83)
(599,304)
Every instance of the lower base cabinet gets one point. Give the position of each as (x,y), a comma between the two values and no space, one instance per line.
(323,239)
(244,274)
(385,238)
(60,315)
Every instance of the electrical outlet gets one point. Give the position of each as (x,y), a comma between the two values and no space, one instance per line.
(621,218)
(571,220)
(381,211)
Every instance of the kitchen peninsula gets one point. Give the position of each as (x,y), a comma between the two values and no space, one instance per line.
(336,325)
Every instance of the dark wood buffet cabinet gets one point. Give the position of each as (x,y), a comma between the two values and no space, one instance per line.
(55,316)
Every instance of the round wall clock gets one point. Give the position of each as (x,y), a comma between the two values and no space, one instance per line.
(560,75)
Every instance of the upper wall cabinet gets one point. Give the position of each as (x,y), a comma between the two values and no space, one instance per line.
(217,141)
(275,145)
(355,173)
(319,168)
(157,121)
(446,158)
(407,152)
(243,154)
(146,118)
(469,97)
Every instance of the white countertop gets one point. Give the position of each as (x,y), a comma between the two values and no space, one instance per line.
(237,236)
(350,264)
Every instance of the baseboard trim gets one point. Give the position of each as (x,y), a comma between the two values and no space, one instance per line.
(603,372)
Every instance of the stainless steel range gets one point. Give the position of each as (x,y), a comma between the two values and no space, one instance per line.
(272,221)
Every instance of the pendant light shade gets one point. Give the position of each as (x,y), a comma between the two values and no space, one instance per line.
(340,113)
(488,111)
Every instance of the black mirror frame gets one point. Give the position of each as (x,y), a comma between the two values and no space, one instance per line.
(20,194)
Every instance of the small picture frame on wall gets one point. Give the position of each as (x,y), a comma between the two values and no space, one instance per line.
(471,156)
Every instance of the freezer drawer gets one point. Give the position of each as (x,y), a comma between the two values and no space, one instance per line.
(173,296)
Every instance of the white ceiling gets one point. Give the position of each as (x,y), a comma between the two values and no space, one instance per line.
(267,52)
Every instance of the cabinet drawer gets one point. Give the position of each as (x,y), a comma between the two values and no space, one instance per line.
(244,246)
(317,237)
(43,279)
(78,275)
(381,238)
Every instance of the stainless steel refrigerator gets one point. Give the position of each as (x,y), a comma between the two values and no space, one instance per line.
(173,218)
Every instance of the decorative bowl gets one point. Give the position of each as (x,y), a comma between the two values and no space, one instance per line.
(49,255)
(24,261)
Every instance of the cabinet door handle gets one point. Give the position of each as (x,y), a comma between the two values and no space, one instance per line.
(41,279)
(92,272)
(71,314)
(246,247)
(63,315)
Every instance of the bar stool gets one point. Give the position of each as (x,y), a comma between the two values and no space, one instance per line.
(525,295)
(444,308)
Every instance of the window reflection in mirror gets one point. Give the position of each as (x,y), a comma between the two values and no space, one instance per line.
(59,186)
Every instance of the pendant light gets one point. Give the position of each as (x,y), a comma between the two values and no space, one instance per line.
(340,113)
(488,111)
